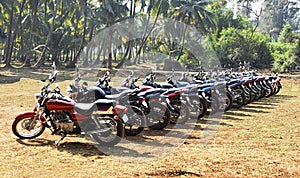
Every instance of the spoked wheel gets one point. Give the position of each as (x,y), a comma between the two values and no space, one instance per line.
(110,132)
(26,128)
(158,117)
(181,113)
(136,121)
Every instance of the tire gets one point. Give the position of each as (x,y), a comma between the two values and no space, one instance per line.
(269,91)
(183,112)
(247,97)
(253,96)
(111,137)
(239,102)
(199,107)
(159,116)
(215,104)
(136,122)
(228,101)
(24,123)
(263,94)
(277,87)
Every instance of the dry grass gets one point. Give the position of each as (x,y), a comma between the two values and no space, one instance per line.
(259,140)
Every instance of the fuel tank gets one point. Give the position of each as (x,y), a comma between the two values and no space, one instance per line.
(60,104)
(145,87)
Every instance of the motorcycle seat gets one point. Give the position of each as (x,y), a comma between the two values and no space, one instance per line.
(233,81)
(181,84)
(119,90)
(116,96)
(202,86)
(85,109)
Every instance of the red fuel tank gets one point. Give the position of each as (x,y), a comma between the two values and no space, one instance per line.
(58,104)
(145,87)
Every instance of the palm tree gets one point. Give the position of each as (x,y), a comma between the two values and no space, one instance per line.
(13,31)
(192,12)
(42,57)
(111,12)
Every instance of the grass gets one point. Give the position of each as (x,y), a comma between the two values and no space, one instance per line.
(259,140)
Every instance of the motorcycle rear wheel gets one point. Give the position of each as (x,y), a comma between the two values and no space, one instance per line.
(198,108)
(159,116)
(110,137)
(136,122)
(183,113)
(21,128)
(228,101)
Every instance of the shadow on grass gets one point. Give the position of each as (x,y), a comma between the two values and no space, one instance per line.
(231,118)
(79,148)
(245,109)
(9,79)
(258,107)
(174,173)
(264,105)
(232,112)
(40,74)
(211,122)
(36,142)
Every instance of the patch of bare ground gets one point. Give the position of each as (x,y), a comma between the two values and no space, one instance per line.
(259,140)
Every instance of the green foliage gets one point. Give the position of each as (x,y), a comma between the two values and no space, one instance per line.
(286,51)
(232,37)
(286,54)
(237,45)
(287,35)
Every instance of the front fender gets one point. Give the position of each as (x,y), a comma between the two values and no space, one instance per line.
(29,114)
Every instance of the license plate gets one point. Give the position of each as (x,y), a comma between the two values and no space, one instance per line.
(125,118)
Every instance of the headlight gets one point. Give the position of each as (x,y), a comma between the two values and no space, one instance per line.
(37,104)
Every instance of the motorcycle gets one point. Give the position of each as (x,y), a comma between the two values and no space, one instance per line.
(101,121)
(85,94)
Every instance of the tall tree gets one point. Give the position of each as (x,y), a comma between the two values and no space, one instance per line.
(13,35)
(192,12)
(42,57)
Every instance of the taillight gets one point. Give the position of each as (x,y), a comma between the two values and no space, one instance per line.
(125,110)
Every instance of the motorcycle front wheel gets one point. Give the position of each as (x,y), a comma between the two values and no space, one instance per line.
(26,128)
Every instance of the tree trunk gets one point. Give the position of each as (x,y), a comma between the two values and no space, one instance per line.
(42,57)
(9,43)
(83,35)
(125,55)
(12,40)
(32,27)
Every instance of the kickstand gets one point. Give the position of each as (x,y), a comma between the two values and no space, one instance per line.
(63,135)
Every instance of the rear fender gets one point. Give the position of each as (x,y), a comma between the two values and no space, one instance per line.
(29,114)
(119,109)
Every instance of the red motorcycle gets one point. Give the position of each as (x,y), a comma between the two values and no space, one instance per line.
(102,121)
